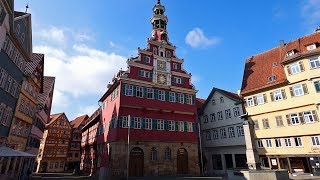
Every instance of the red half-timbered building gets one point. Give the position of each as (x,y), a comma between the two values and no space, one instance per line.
(155,99)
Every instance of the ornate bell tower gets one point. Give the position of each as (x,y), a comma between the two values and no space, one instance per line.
(159,23)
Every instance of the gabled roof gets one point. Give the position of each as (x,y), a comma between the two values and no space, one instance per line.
(200,102)
(228,94)
(53,118)
(31,66)
(77,121)
(48,86)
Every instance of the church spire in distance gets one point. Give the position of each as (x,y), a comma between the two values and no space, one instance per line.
(159,23)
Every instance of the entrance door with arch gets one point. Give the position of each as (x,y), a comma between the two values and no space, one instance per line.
(136,162)
(182,161)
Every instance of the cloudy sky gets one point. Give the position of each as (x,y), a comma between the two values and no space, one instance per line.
(86,42)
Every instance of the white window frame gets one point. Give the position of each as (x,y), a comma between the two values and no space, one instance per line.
(215,134)
(278,143)
(308,117)
(161,95)
(315,140)
(146,59)
(171,125)
(223,133)
(298,142)
(236,111)
(150,91)
(181,126)
(231,132)
(212,117)
(314,62)
(311,47)
(160,124)
(137,122)
(220,115)
(287,142)
(129,90)
(175,66)
(228,113)
(188,99)
(190,127)
(240,131)
(298,90)
(295,68)
(180,98)
(260,99)
(139,91)
(208,135)
(177,80)
(268,143)
(250,101)
(148,123)
(294,119)
(259,143)
(124,122)
(172,96)
(277,95)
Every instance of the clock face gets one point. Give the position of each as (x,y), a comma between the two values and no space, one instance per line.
(162,79)
(162,65)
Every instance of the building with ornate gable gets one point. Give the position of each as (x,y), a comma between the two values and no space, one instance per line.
(155,99)
(281,88)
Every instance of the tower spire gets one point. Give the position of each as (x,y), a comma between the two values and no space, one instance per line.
(159,2)
(159,23)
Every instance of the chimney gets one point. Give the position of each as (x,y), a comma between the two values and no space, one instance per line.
(281,43)
(318,29)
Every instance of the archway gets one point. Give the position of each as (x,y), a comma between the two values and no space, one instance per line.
(136,162)
(182,161)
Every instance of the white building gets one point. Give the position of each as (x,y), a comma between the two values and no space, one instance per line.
(222,132)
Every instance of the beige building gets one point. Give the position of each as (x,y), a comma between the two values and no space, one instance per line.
(281,88)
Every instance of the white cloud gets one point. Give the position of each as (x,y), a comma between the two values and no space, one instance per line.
(52,34)
(88,110)
(60,99)
(196,38)
(311,12)
(195,79)
(112,44)
(81,37)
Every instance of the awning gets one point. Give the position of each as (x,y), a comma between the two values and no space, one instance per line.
(8,152)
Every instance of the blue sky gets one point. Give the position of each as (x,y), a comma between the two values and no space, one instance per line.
(87,42)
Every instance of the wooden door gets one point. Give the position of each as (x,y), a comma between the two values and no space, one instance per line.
(136,162)
(182,161)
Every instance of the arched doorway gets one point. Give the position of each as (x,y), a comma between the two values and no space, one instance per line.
(136,162)
(182,161)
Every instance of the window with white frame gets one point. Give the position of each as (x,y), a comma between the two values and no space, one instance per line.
(295,68)
(287,142)
(139,92)
(228,113)
(137,122)
(294,119)
(240,131)
(298,141)
(171,126)
(278,142)
(223,133)
(188,99)
(208,135)
(220,117)
(180,98)
(176,66)
(314,62)
(172,97)
(315,140)
(190,127)
(236,111)
(259,143)
(129,90)
(150,93)
(215,134)
(148,123)
(231,132)
(161,95)
(146,59)
(290,53)
(160,124)
(212,117)
(250,101)
(298,90)
(181,126)
(260,99)
(124,121)
(269,143)
(177,80)
(277,95)
(311,47)
(265,123)
(308,117)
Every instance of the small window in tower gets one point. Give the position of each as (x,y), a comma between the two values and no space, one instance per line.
(168,54)
(155,50)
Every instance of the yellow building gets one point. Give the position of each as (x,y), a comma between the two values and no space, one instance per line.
(281,88)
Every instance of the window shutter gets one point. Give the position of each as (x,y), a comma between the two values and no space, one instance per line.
(134,90)
(288,120)
(131,122)
(172,79)
(301,66)
(267,123)
(291,92)
(194,127)
(301,118)
(182,80)
(265,98)
(143,123)
(255,100)
(120,121)
(123,90)
(166,95)
(283,92)
(185,126)
(139,73)
(289,70)
(145,92)
(154,124)
(192,100)
(271,96)
(315,116)
(317,86)
(151,74)
(305,89)
(166,127)
(184,98)
(245,103)
(177,126)
(156,94)
(177,97)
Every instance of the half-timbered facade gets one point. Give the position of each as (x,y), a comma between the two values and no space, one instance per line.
(54,145)
(155,99)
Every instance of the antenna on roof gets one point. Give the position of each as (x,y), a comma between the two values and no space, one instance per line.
(27,7)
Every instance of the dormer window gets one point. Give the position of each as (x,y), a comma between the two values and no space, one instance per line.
(272,78)
(146,59)
(176,66)
(275,64)
(290,53)
(311,47)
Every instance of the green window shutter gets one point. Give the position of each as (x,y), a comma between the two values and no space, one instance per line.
(184,98)
(182,80)
(166,95)
(145,92)
(166,124)
(176,97)
(193,127)
(134,90)
(123,90)
(177,126)
(131,122)
(154,124)
(185,126)
(317,86)
(156,94)
(143,123)
(120,121)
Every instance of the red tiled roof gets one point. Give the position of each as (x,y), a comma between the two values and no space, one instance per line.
(77,121)
(260,67)
(200,102)
(54,117)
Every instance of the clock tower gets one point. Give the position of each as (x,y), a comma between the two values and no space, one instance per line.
(155,99)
